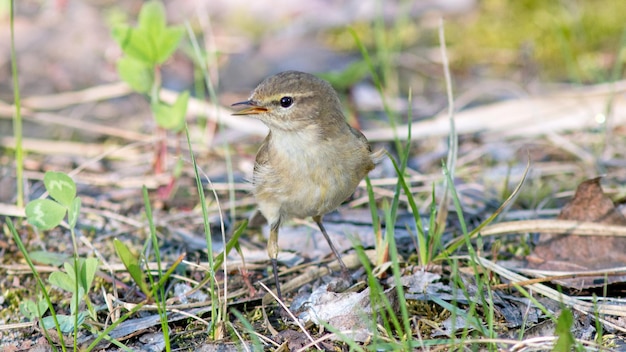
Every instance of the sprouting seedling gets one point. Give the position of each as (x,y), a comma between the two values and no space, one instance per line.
(146,47)
(46,214)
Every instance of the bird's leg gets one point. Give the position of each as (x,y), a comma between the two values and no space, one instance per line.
(272,251)
(344,270)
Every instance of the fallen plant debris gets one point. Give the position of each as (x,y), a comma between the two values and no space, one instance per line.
(563,252)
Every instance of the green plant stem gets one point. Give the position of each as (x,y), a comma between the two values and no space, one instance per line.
(453,139)
(158,290)
(200,59)
(379,87)
(42,286)
(76,295)
(17,118)
(207,233)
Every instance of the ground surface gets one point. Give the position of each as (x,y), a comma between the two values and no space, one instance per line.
(516,107)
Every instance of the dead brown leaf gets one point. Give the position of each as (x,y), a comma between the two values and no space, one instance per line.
(565,252)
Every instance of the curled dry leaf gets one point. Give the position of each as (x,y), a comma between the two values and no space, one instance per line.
(345,311)
(564,252)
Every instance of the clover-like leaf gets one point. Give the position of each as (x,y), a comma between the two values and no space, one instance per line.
(66,322)
(48,258)
(64,280)
(73,211)
(33,310)
(61,187)
(88,272)
(45,213)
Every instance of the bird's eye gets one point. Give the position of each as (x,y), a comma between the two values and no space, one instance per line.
(286,102)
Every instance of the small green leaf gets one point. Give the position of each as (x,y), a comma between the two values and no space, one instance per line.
(179,109)
(73,212)
(151,42)
(152,18)
(48,258)
(61,187)
(69,269)
(131,262)
(63,281)
(74,301)
(172,117)
(164,39)
(138,75)
(563,330)
(45,213)
(66,322)
(232,243)
(121,34)
(90,267)
(136,44)
(27,308)
(32,310)
(167,43)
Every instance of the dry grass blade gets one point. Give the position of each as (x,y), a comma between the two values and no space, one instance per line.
(568,110)
(293,317)
(60,120)
(67,148)
(583,306)
(547,276)
(63,100)
(556,226)
(219,114)
(196,107)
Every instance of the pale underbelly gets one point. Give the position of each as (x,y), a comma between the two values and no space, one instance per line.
(303,194)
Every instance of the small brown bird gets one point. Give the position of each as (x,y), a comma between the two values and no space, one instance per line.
(311,160)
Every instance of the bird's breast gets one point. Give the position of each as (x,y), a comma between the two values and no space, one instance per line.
(304,175)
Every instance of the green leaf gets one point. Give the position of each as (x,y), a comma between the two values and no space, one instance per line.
(563,330)
(232,243)
(172,117)
(73,212)
(62,280)
(165,39)
(74,301)
(45,213)
(135,44)
(32,310)
(131,262)
(152,42)
(121,34)
(48,258)
(167,43)
(89,269)
(61,187)
(66,322)
(152,18)
(28,309)
(138,74)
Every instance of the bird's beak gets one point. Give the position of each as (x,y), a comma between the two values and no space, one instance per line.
(253,108)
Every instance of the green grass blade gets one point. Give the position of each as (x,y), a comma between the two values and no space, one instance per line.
(208,237)
(40,283)
(17,118)
(456,243)
(232,243)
